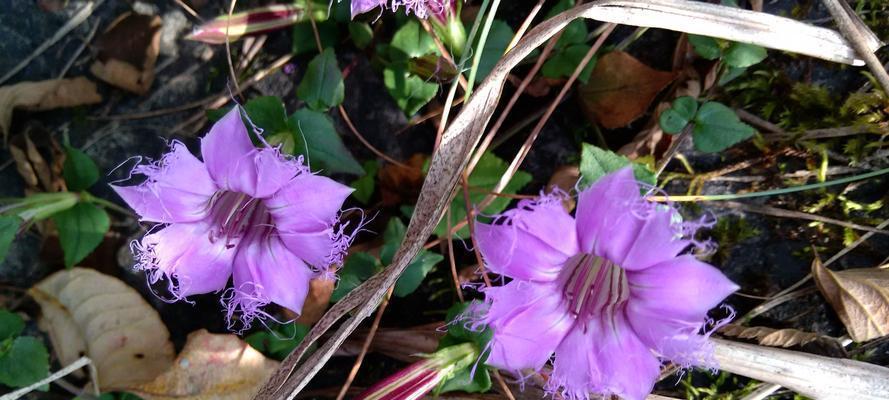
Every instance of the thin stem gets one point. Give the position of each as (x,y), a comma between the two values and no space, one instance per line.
(773,192)
(228,49)
(366,346)
(480,48)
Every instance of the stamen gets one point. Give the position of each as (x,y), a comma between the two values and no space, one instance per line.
(235,213)
(596,286)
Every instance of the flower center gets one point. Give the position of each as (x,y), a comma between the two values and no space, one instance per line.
(233,214)
(596,285)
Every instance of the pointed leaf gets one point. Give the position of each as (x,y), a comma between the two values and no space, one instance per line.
(322,87)
(317,139)
(596,163)
(717,128)
(79,170)
(81,229)
(9,226)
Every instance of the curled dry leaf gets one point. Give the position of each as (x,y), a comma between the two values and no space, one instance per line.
(39,175)
(127,52)
(89,313)
(859,296)
(45,95)
(620,89)
(774,337)
(211,366)
(565,179)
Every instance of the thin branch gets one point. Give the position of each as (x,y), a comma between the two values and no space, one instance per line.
(74,366)
(228,49)
(366,346)
(367,144)
(853,32)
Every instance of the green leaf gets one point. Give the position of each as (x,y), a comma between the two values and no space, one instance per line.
(26,362)
(322,87)
(411,41)
(316,137)
(361,33)
(11,325)
(495,45)
(81,230)
(410,92)
(463,380)
(357,268)
(706,47)
(216,114)
(743,55)
(268,113)
(278,341)
(680,113)
(394,232)
(9,226)
(79,170)
(459,333)
(483,179)
(563,63)
(717,128)
(596,163)
(575,33)
(415,272)
(365,185)
(304,36)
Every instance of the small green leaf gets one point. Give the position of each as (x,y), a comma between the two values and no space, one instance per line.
(268,113)
(680,113)
(483,179)
(743,55)
(411,41)
(357,268)
(322,87)
(365,185)
(464,381)
(458,331)
(81,230)
(410,92)
(79,170)
(495,45)
(278,341)
(304,36)
(563,63)
(9,226)
(11,325)
(596,163)
(415,272)
(706,47)
(316,137)
(394,232)
(361,33)
(216,114)
(717,128)
(26,362)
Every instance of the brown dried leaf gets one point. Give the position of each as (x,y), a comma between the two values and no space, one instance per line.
(45,95)
(773,337)
(565,179)
(211,366)
(620,89)
(127,52)
(320,290)
(860,298)
(23,166)
(399,184)
(89,313)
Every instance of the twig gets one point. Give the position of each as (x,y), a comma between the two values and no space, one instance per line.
(75,21)
(77,364)
(228,49)
(470,220)
(674,148)
(86,42)
(452,262)
(853,32)
(188,9)
(503,387)
(782,213)
(366,346)
(367,144)
(758,122)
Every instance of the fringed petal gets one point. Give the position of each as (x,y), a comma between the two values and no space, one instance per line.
(529,321)
(603,357)
(185,253)
(609,216)
(178,188)
(309,203)
(531,242)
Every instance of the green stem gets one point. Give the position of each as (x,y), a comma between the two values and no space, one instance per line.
(780,191)
(106,204)
(479,49)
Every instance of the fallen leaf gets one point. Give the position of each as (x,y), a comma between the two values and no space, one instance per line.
(565,179)
(89,313)
(859,296)
(44,95)
(775,337)
(620,89)
(211,366)
(320,290)
(399,184)
(127,52)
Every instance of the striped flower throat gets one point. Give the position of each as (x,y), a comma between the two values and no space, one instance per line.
(596,287)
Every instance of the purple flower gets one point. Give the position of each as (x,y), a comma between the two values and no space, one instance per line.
(244,212)
(420,8)
(606,291)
